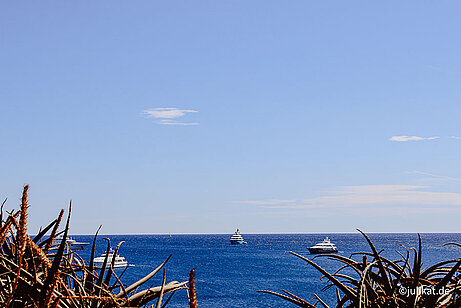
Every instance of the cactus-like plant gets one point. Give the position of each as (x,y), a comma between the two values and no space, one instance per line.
(34,275)
(381,282)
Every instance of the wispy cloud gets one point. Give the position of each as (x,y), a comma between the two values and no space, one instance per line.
(265,202)
(438,176)
(372,196)
(411,138)
(168,116)
(455,137)
(173,122)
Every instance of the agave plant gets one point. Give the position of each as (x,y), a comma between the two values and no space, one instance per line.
(380,282)
(33,274)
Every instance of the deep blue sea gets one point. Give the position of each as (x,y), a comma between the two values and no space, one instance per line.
(229,276)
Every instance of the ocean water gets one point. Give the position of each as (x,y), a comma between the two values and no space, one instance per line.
(229,275)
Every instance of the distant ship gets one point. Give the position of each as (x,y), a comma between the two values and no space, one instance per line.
(119,260)
(73,244)
(323,247)
(237,239)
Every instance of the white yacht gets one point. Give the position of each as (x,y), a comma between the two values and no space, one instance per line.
(119,260)
(323,247)
(73,244)
(237,239)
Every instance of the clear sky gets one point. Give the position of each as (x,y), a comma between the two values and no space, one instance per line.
(205,116)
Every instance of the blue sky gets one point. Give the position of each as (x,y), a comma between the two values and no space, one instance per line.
(205,116)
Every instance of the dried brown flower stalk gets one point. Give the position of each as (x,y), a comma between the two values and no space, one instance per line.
(192,295)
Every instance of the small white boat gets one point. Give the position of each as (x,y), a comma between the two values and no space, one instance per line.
(73,244)
(119,260)
(237,239)
(326,246)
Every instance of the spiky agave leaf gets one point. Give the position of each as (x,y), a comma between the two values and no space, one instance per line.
(321,301)
(89,276)
(348,291)
(430,300)
(160,297)
(103,267)
(112,263)
(371,291)
(1,211)
(53,233)
(143,280)
(42,232)
(143,297)
(387,282)
(297,302)
(50,281)
(58,279)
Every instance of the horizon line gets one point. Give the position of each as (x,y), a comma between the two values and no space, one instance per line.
(269,233)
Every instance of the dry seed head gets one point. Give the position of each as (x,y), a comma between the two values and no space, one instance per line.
(22,229)
(39,254)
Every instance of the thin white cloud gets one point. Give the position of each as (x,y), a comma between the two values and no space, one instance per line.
(455,137)
(166,113)
(384,195)
(438,176)
(265,202)
(168,116)
(172,122)
(399,211)
(411,138)
(374,196)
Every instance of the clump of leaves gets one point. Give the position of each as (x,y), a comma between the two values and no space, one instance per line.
(381,282)
(32,274)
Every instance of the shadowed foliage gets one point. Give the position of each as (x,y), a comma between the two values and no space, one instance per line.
(38,273)
(381,282)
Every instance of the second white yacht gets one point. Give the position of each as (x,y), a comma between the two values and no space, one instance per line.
(119,260)
(323,247)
